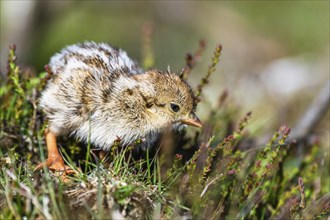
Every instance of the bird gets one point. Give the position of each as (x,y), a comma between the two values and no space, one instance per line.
(99,95)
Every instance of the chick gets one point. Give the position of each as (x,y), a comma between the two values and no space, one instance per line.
(98,94)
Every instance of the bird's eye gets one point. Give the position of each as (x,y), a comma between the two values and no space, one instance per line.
(175,107)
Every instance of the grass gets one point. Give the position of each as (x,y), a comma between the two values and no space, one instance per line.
(218,173)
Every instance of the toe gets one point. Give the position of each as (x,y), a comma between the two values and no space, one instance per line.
(40,166)
(58,168)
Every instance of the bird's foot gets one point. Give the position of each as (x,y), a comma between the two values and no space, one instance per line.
(58,168)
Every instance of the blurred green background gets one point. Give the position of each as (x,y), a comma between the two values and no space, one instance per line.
(275,54)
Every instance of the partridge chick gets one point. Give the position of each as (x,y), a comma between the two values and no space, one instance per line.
(98,94)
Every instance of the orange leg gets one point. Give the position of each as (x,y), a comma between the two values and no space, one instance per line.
(54,160)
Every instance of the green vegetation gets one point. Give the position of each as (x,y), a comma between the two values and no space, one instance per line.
(220,172)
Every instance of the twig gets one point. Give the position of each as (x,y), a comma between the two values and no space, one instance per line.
(312,115)
(49,73)
(207,185)
(210,70)
(302,192)
(191,60)
(309,120)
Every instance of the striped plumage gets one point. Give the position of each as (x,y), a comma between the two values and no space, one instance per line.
(98,90)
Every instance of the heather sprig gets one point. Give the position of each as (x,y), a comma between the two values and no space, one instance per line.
(211,69)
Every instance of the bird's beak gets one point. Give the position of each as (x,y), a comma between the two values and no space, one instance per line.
(193,120)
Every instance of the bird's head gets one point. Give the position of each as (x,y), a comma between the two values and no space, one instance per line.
(173,102)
